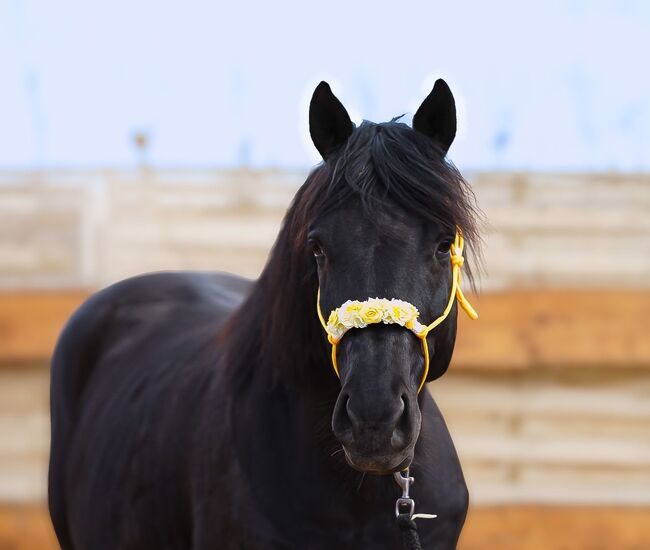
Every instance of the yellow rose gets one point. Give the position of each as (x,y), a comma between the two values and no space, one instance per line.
(334,326)
(336,331)
(371,314)
(349,314)
(398,315)
(402,312)
(333,318)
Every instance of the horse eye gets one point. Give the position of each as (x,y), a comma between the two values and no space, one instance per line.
(317,251)
(445,247)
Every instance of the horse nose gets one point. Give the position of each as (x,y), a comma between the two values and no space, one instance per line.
(387,413)
(382,421)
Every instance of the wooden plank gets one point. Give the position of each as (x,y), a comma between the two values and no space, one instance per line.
(516,329)
(30,323)
(26,527)
(505,528)
(553,527)
(556,328)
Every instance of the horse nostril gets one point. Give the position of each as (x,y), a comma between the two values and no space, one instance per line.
(400,437)
(346,413)
(348,409)
(403,405)
(341,420)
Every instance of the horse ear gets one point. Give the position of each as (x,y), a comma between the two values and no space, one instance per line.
(329,123)
(436,117)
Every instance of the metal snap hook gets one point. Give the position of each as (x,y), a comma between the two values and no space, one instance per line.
(404,481)
(405,504)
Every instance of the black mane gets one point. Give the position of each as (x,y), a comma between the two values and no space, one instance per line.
(380,166)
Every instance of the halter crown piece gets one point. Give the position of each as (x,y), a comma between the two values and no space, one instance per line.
(360,314)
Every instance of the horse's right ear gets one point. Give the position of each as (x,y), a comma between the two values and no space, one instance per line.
(436,117)
(329,123)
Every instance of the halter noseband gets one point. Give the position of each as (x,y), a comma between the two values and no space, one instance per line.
(357,314)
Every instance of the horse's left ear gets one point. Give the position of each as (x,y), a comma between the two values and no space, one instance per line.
(329,123)
(436,117)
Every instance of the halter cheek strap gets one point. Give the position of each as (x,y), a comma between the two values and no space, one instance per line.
(356,314)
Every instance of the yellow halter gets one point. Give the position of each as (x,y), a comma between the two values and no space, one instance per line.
(356,314)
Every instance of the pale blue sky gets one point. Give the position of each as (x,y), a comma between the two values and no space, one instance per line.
(540,85)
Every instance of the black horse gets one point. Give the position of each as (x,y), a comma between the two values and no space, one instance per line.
(201,411)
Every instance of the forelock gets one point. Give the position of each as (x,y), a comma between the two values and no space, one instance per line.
(389,164)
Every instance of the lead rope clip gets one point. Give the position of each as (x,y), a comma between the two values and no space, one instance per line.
(405,504)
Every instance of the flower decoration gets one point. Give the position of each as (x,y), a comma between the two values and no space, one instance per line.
(357,314)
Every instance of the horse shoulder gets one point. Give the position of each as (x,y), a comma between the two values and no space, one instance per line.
(125,311)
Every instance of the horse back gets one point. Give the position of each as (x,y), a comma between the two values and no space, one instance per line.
(123,355)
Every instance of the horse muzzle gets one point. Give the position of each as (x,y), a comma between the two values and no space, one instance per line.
(377,435)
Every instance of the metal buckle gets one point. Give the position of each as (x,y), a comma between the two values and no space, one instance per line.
(402,503)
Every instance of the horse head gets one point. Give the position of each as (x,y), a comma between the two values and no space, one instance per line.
(380,216)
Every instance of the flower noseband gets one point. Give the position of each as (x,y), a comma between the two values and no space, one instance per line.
(360,314)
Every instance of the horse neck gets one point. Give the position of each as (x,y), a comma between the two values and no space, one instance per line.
(279,374)
(275,336)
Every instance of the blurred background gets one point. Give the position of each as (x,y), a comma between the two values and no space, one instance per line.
(141,135)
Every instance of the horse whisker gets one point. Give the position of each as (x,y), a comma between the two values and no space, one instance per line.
(363,476)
